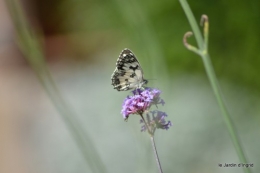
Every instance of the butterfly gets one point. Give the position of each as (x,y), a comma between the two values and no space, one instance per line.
(128,73)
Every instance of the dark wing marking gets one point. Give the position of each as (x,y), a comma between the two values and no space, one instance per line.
(128,73)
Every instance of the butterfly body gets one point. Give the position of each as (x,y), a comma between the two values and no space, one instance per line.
(128,73)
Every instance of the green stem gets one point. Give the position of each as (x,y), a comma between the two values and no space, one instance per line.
(225,114)
(192,22)
(156,155)
(151,133)
(31,48)
(203,52)
(146,125)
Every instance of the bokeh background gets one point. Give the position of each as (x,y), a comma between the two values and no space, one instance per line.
(81,41)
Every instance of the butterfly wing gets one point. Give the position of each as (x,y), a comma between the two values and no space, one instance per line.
(128,73)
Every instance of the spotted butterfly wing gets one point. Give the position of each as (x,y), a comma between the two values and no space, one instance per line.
(128,73)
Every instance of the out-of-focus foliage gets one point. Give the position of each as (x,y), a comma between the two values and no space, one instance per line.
(234,31)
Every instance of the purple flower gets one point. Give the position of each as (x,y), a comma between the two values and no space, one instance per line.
(141,101)
(156,122)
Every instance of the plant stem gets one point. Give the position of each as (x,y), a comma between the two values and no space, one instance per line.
(203,52)
(151,132)
(156,155)
(146,125)
(193,23)
(31,48)
(225,114)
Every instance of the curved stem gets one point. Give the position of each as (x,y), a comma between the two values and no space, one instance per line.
(156,155)
(31,48)
(203,52)
(226,116)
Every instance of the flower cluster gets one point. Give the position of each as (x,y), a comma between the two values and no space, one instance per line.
(140,103)
(157,122)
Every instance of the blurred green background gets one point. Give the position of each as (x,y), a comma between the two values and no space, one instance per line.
(81,41)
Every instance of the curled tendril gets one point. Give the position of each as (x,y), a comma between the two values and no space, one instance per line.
(205,23)
(187,35)
(187,45)
(204,19)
